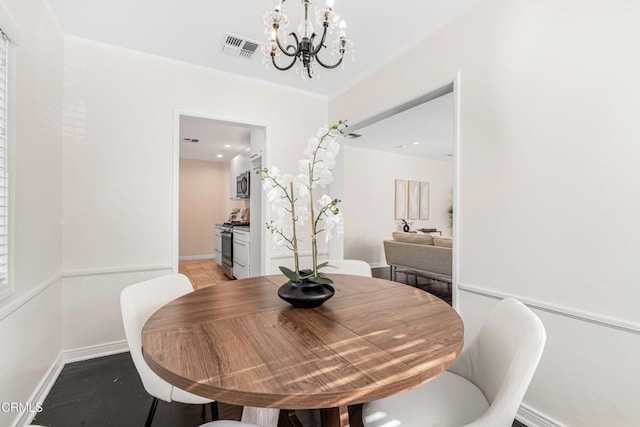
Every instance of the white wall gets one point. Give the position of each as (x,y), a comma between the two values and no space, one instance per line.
(548,183)
(118,174)
(30,319)
(369,194)
(203,193)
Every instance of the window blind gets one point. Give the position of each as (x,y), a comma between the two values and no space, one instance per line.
(4,165)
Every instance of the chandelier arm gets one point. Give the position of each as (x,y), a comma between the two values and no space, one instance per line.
(286,51)
(321,44)
(285,68)
(330,67)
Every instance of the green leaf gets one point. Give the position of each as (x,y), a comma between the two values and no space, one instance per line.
(291,275)
(306,272)
(324,264)
(320,280)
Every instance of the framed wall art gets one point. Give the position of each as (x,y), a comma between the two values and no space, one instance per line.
(424,201)
(414,199)
(401,199)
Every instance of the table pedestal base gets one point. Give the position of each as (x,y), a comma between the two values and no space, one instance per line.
(330,417)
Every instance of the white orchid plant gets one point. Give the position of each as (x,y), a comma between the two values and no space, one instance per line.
(294,202)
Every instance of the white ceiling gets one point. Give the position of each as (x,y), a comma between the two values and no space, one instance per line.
(212,137)
(193,31)
(430,124)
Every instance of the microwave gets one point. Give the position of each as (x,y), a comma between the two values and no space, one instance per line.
(242,185)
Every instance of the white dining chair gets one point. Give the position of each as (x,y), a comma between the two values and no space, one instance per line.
(228,423)
(137,303)
(348,266)
(483,388)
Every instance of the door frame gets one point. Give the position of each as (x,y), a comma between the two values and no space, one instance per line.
(265,250)
(448,85)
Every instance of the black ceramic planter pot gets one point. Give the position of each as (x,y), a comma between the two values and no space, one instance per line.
(305,294)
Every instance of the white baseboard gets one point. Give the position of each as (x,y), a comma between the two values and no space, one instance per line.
(66,356)
(532,418)
(41,392)
(197,257)
(94,351)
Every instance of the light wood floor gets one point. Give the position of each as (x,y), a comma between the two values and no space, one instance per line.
(202,273)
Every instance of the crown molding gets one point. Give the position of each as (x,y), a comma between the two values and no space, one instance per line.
(9,25)
(193,67)
(53,16)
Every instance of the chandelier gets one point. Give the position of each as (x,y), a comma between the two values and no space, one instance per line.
(306,46)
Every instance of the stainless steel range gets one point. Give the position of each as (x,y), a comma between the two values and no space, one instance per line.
(226,232)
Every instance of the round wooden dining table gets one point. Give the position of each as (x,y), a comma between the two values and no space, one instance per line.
(239,343)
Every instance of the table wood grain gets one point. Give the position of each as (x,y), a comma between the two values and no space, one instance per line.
(239,343)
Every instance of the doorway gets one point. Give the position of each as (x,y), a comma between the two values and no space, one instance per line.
(415,142)
(209,154)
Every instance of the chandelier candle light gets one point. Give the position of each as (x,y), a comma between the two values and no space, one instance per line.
(304,51)
(293,202)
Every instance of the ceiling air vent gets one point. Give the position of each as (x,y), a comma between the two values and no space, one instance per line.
(238,46)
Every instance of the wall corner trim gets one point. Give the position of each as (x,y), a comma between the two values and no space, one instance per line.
(119,270)
(583,316)
(23,299)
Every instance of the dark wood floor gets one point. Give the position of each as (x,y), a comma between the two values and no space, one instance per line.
(107,391)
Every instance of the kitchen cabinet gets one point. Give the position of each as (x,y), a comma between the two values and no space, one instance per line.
(241,253)
(257,143)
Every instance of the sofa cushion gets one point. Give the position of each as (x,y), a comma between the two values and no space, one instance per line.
(443,242)
(418,239)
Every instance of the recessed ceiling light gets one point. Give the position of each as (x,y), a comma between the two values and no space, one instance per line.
(219,156)
(416,143)
(227,146)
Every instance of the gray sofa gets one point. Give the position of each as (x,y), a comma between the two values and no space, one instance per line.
(419,254)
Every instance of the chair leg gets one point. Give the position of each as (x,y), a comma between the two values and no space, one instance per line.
(152,412)
(203,414)
(215,416)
